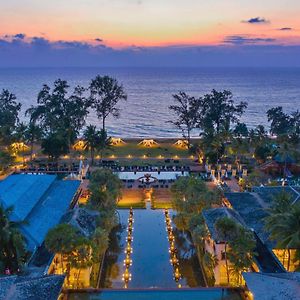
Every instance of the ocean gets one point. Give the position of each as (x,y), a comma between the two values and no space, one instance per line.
(146,113)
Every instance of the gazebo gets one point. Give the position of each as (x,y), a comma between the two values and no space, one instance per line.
(79,145)
(116,141)
(18,147)
(181,144)
(148,143)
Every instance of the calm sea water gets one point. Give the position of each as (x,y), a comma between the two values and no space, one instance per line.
(150,92)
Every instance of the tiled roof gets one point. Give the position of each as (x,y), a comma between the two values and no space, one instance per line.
(31,288)
(269,286)
(267,193)
(82,219)
(23,192)
(253,214)
(39,200)
(212,215)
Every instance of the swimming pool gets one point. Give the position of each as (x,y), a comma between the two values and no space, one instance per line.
(178,294)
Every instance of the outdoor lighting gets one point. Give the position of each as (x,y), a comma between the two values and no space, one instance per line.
(79,145)
(127,261)
(174,260)
(116,141)
(183,144)
(148,143)
(129,156)
(177,275)
(172,248)
(126,276)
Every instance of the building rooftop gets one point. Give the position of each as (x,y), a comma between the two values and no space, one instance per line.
(31,288)
(38,200)
(267,193)
(269,286)
(212,215)
(82,219)
(23,192)
(253,213)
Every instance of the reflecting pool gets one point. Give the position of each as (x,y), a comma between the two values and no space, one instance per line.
(151,266)
(178,294)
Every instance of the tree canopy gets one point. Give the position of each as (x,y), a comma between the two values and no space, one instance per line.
(9,111)
(105,93)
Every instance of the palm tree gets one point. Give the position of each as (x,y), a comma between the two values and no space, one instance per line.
(226,230)
(20,136)
(100,243)
(210,261)
(284,228)
(104,142)
(284,153)
(33,133)
(81,257)
(61,240)
(91,137)
(199,234)
(12,243)
(241,252)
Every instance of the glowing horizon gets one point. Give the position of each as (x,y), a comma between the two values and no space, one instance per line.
(147,23)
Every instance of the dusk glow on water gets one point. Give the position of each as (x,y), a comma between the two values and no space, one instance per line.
(150,90)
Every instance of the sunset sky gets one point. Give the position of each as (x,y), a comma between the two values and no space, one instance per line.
(127,25)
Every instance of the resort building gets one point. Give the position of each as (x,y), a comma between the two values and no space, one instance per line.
(214,244)
(39,202)
(252,207)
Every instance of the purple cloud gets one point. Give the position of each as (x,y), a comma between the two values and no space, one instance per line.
(256,20)
(236,50)
(244,40)
(285,29)
(20,36)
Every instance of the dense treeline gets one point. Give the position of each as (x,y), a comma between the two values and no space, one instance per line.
(59,115)
(217,119)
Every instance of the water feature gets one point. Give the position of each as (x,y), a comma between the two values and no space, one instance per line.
(179,294)
(151,266)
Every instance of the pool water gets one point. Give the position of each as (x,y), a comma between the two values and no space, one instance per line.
(190,294)
(151,267)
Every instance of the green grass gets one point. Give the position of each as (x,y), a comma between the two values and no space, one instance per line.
(127,205)
(162,151)
(161,205)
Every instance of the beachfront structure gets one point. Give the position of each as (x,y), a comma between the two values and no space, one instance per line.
(84,221)
(39,202)
(252,207)
(31,287)
(148,143)
(183,144)
(116,141)
(79,145)
(214,244)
